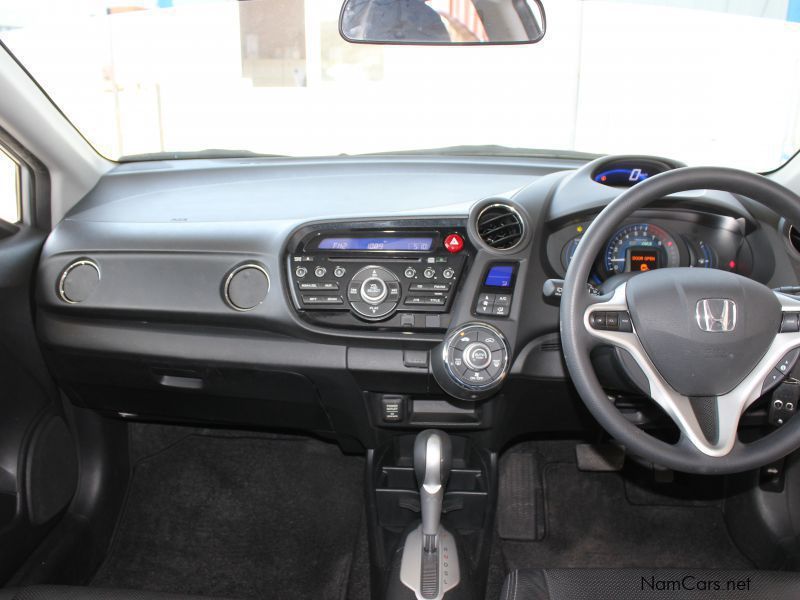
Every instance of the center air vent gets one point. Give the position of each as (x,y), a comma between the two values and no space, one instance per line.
(500,227)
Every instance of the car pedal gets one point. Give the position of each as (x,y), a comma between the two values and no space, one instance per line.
(601,458)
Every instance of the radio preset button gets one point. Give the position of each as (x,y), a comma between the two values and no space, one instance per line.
(300,272)
(339,271)
(410,273)
(429,273)
(448,273)
(320,271)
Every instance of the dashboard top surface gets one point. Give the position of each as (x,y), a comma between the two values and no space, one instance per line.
(302,189)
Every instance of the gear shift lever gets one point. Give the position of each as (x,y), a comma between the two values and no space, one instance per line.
(433,455)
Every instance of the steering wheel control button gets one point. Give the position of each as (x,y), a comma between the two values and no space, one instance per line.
(788,361)
(790,322)
(611,321)
(454,243)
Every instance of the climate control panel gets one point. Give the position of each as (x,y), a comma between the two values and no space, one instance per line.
(472,362)
(399,278)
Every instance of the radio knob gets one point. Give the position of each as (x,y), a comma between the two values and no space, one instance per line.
(429,273)
(374,290)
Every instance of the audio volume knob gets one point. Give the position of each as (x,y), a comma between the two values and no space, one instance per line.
(374,290)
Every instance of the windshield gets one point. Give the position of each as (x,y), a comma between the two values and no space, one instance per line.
(677,78)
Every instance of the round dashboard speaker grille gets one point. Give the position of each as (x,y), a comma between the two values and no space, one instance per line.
(78,281)
(246,287)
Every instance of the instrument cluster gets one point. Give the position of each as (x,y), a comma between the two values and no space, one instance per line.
(646,242)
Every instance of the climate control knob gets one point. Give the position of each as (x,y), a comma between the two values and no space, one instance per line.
(472,362)
(374,293)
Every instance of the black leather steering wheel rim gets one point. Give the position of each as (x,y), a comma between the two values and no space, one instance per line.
(576,340)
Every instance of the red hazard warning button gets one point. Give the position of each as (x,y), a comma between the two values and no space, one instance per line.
(454,243)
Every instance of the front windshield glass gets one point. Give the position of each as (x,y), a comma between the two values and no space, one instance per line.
(704,82)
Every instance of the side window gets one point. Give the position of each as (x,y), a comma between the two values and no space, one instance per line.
(9,189)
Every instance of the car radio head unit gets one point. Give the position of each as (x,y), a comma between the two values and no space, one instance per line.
(404,278)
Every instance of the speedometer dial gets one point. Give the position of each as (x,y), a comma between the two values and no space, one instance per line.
(640,247)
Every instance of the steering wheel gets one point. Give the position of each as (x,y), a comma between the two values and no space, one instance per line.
(707,342)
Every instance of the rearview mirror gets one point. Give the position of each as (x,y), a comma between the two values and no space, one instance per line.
(442,22)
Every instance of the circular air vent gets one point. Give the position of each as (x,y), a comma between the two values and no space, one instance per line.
(794,237)
(500,227)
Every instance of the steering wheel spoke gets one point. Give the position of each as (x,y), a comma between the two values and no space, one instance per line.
(709,423)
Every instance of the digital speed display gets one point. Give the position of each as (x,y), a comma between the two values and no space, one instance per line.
(397,244)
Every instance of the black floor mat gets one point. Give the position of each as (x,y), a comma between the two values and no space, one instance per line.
(241,517)
(590,521)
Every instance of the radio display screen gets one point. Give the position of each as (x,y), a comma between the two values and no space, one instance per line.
(355,244)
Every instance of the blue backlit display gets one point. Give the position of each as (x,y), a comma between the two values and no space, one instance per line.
(499,276)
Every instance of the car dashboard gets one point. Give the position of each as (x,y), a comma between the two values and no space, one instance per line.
(352,297)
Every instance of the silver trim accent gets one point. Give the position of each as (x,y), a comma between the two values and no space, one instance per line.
(522,223)
(493,382)
(468,359)
(379,299)
(228,283)
(411,564)
(84,261)
(716,315)
(729,406)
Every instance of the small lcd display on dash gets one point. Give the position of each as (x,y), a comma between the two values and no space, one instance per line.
(401,244)
(499,276)
(643,260)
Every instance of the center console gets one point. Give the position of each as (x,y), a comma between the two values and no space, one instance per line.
(373,276)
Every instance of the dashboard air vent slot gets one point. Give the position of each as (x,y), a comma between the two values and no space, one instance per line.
(794,237)
(500,227)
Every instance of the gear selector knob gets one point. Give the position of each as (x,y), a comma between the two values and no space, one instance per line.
(433,456)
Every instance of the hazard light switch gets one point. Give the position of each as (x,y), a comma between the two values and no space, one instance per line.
(454,243)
